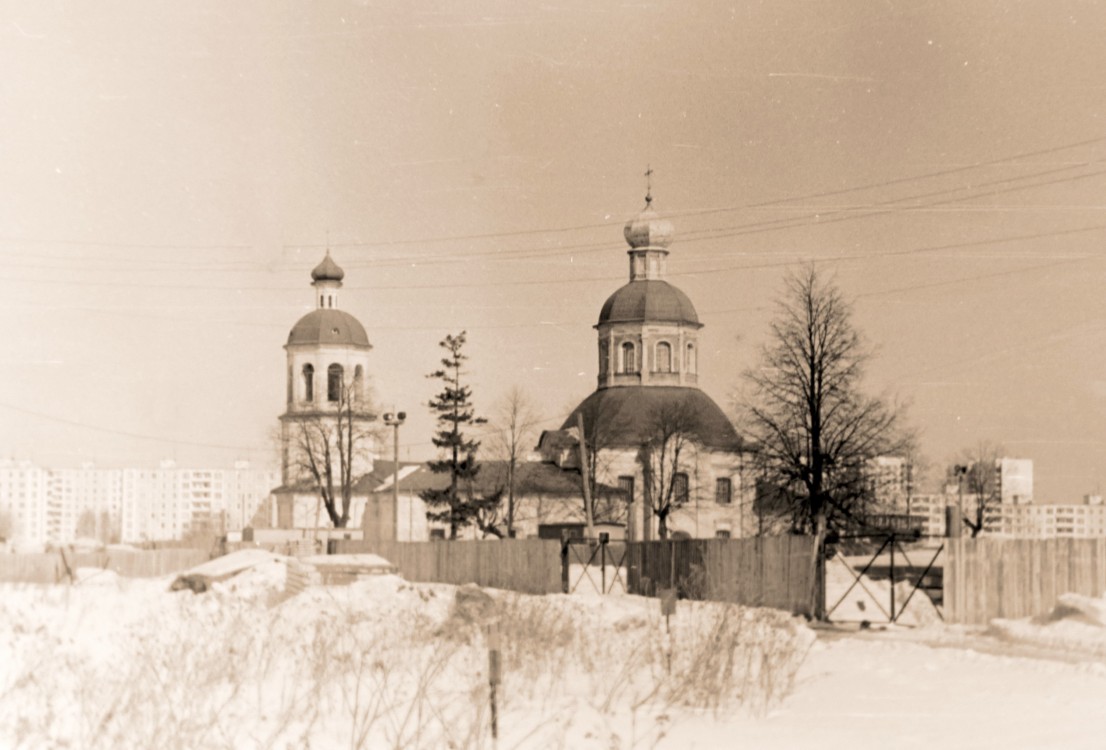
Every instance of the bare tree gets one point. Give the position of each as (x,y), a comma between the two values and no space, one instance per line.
(331,446)
(666,447)
(977,481)
(816,430)
(515,421)
(605,431)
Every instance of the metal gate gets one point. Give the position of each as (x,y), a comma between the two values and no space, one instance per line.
(593,566)
(853,596)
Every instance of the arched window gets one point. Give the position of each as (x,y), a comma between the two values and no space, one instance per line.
(629,360)
(334,383)
(664,357)
(690,358)
(358,382)
(308,383)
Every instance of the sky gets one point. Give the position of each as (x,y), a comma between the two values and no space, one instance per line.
(173,171)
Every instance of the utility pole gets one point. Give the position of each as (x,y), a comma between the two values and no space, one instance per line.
(589,518)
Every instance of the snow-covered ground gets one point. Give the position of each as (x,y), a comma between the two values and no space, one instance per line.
(381,663)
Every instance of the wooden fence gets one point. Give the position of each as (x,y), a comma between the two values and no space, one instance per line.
(1012,578)
(532,566)
(770,571)
(52,567)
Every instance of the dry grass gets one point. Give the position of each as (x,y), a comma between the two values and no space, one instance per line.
(336,668)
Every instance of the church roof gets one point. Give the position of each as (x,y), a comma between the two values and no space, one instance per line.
(628,415)
(648,301)
(328,326)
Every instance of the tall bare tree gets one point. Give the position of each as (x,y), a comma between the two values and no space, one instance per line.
(977,481)
(816,430)
(666,454)
(606,429)
(331,445)
(516,424)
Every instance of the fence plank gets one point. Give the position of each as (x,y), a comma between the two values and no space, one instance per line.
(1015,578)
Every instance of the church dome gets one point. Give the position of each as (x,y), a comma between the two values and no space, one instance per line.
(328,327)
(649,301)
(648,229)
(328,270)
(630,415)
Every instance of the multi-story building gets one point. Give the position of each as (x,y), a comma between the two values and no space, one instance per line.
(24,501)
(1014,480)
(168,502)
(85,502)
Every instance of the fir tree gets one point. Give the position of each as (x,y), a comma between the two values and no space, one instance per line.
(458,504)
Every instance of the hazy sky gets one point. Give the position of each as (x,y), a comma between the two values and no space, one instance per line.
(169,174)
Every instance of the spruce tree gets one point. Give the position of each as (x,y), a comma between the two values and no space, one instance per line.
(458,503)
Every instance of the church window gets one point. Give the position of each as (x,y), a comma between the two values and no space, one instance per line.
(626,487)
(723,491)
(358,379)
(664,357)
(690,358)
(308,383)
(679,488)
(334,383)
(629,358)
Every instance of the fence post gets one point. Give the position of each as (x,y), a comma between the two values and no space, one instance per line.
(564,561)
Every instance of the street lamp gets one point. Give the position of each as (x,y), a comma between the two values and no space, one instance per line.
(394,420)
(960,471)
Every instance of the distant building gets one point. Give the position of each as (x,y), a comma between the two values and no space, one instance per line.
(59,506)
(1014,479)
(24,502)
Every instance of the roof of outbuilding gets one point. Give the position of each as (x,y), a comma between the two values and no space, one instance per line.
(647,301)
(629,413)
(328,326)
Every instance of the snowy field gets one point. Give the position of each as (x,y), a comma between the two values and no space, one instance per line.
(381,663)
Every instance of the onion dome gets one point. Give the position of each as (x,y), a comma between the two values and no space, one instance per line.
(328,270)
(648,229)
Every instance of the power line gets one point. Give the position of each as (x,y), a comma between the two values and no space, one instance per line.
(124,433)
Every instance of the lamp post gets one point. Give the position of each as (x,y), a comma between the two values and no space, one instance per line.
(961,471)
(394,420)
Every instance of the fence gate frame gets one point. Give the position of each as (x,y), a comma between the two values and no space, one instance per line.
(891,540)
(595,547)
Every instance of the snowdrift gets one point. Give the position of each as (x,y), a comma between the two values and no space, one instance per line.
(377,663)
(1077,624)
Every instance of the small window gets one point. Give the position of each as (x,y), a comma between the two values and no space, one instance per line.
(629,358)
(437,534)
(334,383)
(722,534)
(308,383)
(723,491)
(679,488)
(664,357)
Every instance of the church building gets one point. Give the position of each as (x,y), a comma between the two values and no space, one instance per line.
(648,427)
